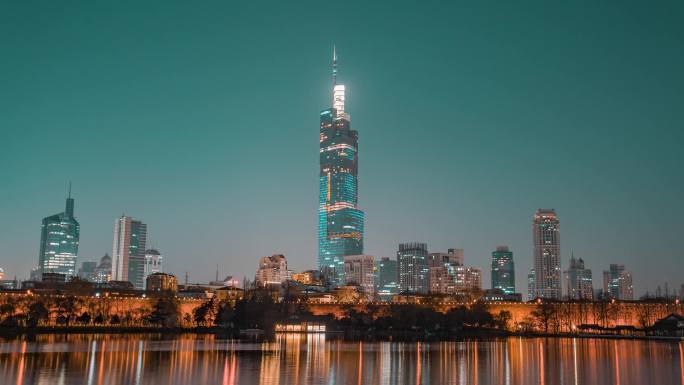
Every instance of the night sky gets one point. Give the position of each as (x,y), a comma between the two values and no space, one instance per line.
(201,119)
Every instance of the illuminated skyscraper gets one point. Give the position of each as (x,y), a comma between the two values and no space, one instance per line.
(413,267)
(128,251)
(547,269)
(153,263)
(59,236)
(503,270)
(340,222)
(617,283)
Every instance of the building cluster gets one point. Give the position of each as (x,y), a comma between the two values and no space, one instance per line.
(341,262)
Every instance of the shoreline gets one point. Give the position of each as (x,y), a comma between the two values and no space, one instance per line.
(403,336)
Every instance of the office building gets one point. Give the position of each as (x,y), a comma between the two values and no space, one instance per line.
(578,281)
(413,267)
(531,285)
(59,237)
(547,267)
(503,270)
(360,270)
(340,222)
(128,252)
(87,271)
(617,283)
(387,283)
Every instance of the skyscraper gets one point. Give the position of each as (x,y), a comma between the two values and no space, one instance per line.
(59,235)
(153,263)
(547,269)
(578,281)
(531,286)
(340,222)
(360,269)
(128,252)
(617,283)
(503,270)
(388,278)
(413,267)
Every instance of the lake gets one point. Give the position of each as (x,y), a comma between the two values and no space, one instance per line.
(313,359)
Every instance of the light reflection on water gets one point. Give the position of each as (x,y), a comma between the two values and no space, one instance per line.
(302,359)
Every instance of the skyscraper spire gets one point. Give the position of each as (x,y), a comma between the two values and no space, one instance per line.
(334,66)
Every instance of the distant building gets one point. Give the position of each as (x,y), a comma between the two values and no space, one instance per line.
(153,262)
(494,295)
(59,237)
(413,267)
(272,271)
(456,256)
(128,252)
(468,278)
(578,281)
(87,271)
(531,286)
(2,274)
(387,283)
(161,282)
(503,270)
(547,267)
(617,283)
(360,269)
(103,271)
(309,277)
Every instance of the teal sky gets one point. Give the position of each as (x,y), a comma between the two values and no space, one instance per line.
(201,119)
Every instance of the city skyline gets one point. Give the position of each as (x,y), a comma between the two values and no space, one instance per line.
(453,191)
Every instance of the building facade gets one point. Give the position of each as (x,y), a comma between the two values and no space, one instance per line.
(128,251)
(272,271)
(59,238)
(153,263)
(617,283)
(547,267)
(161,282)
(387,282)
(87,271)
(340,222)
(578,281)
(503,270)
(531,285)
(412,259)
(360,269)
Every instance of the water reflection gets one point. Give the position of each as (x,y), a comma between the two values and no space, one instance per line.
(311,359)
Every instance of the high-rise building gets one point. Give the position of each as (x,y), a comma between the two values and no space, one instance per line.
(59,235)
(617,283)
(161,282)
(578,280)
(456,256)
(87,271)
(272,271)
(153,263)
(360,269)
(388,278)
(103,271)
(340,222)
(531,285)
(413,267)
(128,252)
(547,267)
(503,270)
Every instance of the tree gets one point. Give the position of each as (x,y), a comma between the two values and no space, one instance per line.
(37,311)
(205,313)
(503,319)
(166,312)
(224,314)
(544,313)
(67,308)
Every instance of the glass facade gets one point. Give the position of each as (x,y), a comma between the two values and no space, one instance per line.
(340,222)
(503,270)
(413,267)
(59,237)
(388,279)
(547,267)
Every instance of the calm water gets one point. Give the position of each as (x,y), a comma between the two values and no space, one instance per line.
(298,359)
